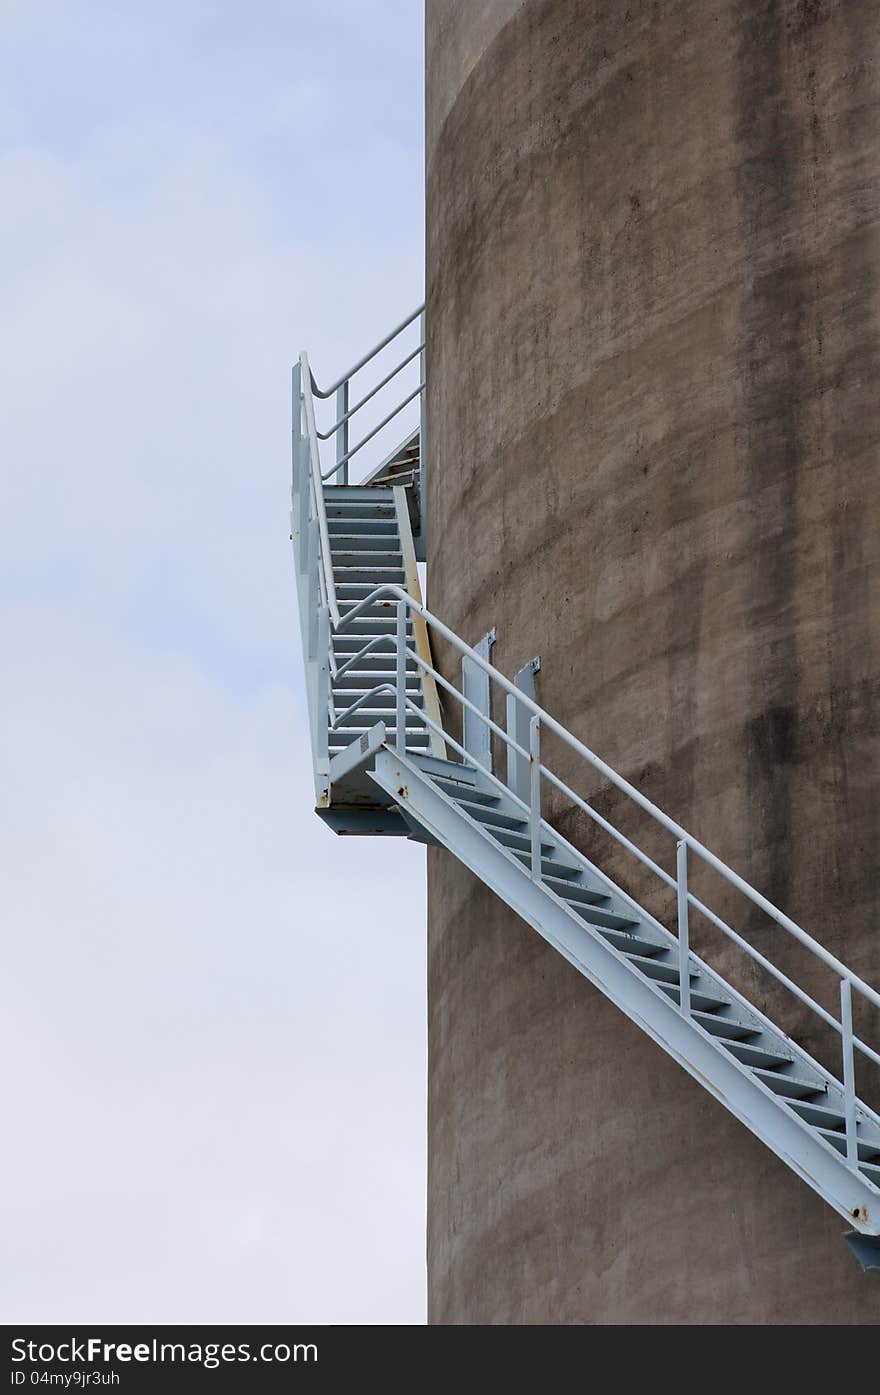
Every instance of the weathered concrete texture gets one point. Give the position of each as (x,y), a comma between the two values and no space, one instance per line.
(653,255)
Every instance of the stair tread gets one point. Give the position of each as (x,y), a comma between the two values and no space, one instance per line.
(655,969)
(342,554)
(817,1113)
(575,891)
(509,838)
(793,1085)
(551,868)
(597,915)
(751,1055)
(727,1028)
(705,1001)
(868,1152)
(631,943)
(377,675)
(462,791)
(495,818)
(352,694)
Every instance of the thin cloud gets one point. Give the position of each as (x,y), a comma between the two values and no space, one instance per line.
(214,1011)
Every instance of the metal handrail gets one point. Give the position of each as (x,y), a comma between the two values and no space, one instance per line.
(362,362)
(312,500)
(396,595)
(466,755)
(345,413)
(596,761)
(317,491)
(311,438)
(346,416)
(344,459)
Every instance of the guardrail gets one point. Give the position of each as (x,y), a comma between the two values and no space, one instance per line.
(686,844)
(316,586)
(346,412)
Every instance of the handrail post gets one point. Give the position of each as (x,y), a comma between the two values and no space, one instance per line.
(535,794)
(301,492)
(342,431)
(684,963)
(296,419)
(323,698)
(401,677)
(849,1072)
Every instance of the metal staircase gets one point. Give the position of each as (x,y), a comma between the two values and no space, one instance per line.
(386,762)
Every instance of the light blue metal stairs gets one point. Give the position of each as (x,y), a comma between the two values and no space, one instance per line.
(386,763)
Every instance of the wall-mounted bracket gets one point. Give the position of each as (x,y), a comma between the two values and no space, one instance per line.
(866,1248)
(518,717)
(475,687)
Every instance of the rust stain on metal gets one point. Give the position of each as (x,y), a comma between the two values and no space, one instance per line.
(403,792)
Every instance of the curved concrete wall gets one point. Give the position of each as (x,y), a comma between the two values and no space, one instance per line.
(653,265)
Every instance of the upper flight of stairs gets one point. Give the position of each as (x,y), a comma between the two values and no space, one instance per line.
(367,551)
(356,548)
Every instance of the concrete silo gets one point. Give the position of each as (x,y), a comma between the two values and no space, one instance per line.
(653,260)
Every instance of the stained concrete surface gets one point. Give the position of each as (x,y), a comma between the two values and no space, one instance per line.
(653,258)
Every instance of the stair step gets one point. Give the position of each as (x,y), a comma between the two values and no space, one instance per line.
(388,576)
(729,1028)
(371,623)
(551,869)
(376,667)
(373,576)
(595,915)
(461,791)
(570,891)
(353,592)
(509,839)
(353,642)
(406,462)
(789,1086)
(381,706)
(355,508)
(656,969)
(868,1152)
(357,725)
(751,1055)
(439,767)
(704,1002)
(356,493)
(363,542)
(632,944)
(415,740)
(871,1171)
(496,818)
(350,695)
(361,558)
(365,682)
(359,527)
(378,601)
(821,1114)
(406,477)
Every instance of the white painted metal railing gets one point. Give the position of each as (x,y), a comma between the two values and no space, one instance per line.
(321,619)
(316,586)
(685,842)
(346,412)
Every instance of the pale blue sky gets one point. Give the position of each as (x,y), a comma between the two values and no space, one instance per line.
(214,1018)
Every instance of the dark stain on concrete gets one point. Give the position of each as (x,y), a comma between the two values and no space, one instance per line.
(652,257)
(773,378)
